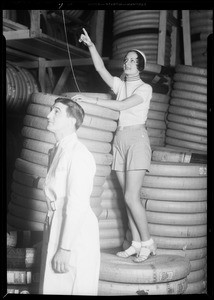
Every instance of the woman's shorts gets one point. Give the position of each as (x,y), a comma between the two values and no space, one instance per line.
(131,149)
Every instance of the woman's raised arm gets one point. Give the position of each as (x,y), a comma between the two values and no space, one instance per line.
(97,60)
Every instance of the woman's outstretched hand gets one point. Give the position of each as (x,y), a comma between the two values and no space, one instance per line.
(85,38)
(79,98)
(82,98)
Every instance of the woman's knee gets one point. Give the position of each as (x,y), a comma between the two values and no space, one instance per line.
(131,198)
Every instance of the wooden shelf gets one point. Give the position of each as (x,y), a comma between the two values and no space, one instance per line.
(46,47)
(39,45)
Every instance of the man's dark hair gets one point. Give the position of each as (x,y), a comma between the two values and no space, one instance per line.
(73,109)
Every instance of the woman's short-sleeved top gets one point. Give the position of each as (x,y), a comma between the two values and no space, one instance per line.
(136,114)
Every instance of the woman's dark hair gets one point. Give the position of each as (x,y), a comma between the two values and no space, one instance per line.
(73,109)
(141,61)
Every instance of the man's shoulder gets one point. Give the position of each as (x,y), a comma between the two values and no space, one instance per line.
(81,150)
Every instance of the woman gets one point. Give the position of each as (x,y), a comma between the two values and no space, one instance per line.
(131,148)
(71,250)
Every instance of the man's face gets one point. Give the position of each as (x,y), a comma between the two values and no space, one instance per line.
(58,119)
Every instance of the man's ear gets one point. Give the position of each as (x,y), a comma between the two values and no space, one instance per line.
(73,121)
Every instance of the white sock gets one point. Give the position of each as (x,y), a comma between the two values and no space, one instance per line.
(147,243)
(136,244)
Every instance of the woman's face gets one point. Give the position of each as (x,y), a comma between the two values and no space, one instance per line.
(130,64)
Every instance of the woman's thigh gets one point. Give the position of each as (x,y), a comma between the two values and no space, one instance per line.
(134,181)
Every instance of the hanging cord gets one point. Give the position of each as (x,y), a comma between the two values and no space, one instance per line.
(66,37)
(125,80)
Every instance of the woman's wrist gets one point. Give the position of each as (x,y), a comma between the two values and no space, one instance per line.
(90,45)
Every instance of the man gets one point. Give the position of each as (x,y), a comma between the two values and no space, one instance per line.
(71,250)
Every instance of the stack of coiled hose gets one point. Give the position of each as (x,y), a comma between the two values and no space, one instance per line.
(187,117)
(139,29)
(27,208)
(201,26)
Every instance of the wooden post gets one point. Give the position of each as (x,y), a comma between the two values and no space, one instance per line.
(187,38)
(51,77)
(174,60)
(162,38)
(35,29)
(42,70)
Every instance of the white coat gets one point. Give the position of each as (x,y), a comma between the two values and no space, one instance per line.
(74,226)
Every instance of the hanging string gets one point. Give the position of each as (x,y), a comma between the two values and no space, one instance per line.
(66,38)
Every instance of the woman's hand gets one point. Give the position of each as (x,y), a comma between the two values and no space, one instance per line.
(79,98)
(60,262)
(85,38)
(82,98)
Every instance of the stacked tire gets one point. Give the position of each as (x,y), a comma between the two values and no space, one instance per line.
(175,198)
(113,219)
(201,26)
(11,155)
(22,264)
(27,208)
(156,120)
(187,117)
(173,155)
(160,275)
(20,84)
(139,29)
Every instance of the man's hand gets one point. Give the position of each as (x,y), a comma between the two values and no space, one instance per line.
(60,262)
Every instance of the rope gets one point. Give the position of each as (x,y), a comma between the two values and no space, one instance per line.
(66,37)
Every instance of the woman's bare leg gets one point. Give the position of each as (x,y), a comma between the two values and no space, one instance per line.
(134,230)
(135,235)
(137,214)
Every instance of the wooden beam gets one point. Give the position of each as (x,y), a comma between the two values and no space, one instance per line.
(75,62)
(28,64)
(187,38)
(162,38)
(16,34)
(13,25)
(25,56)
(60,63)
(62,80)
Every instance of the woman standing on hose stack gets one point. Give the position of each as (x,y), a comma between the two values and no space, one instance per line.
(131,147)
